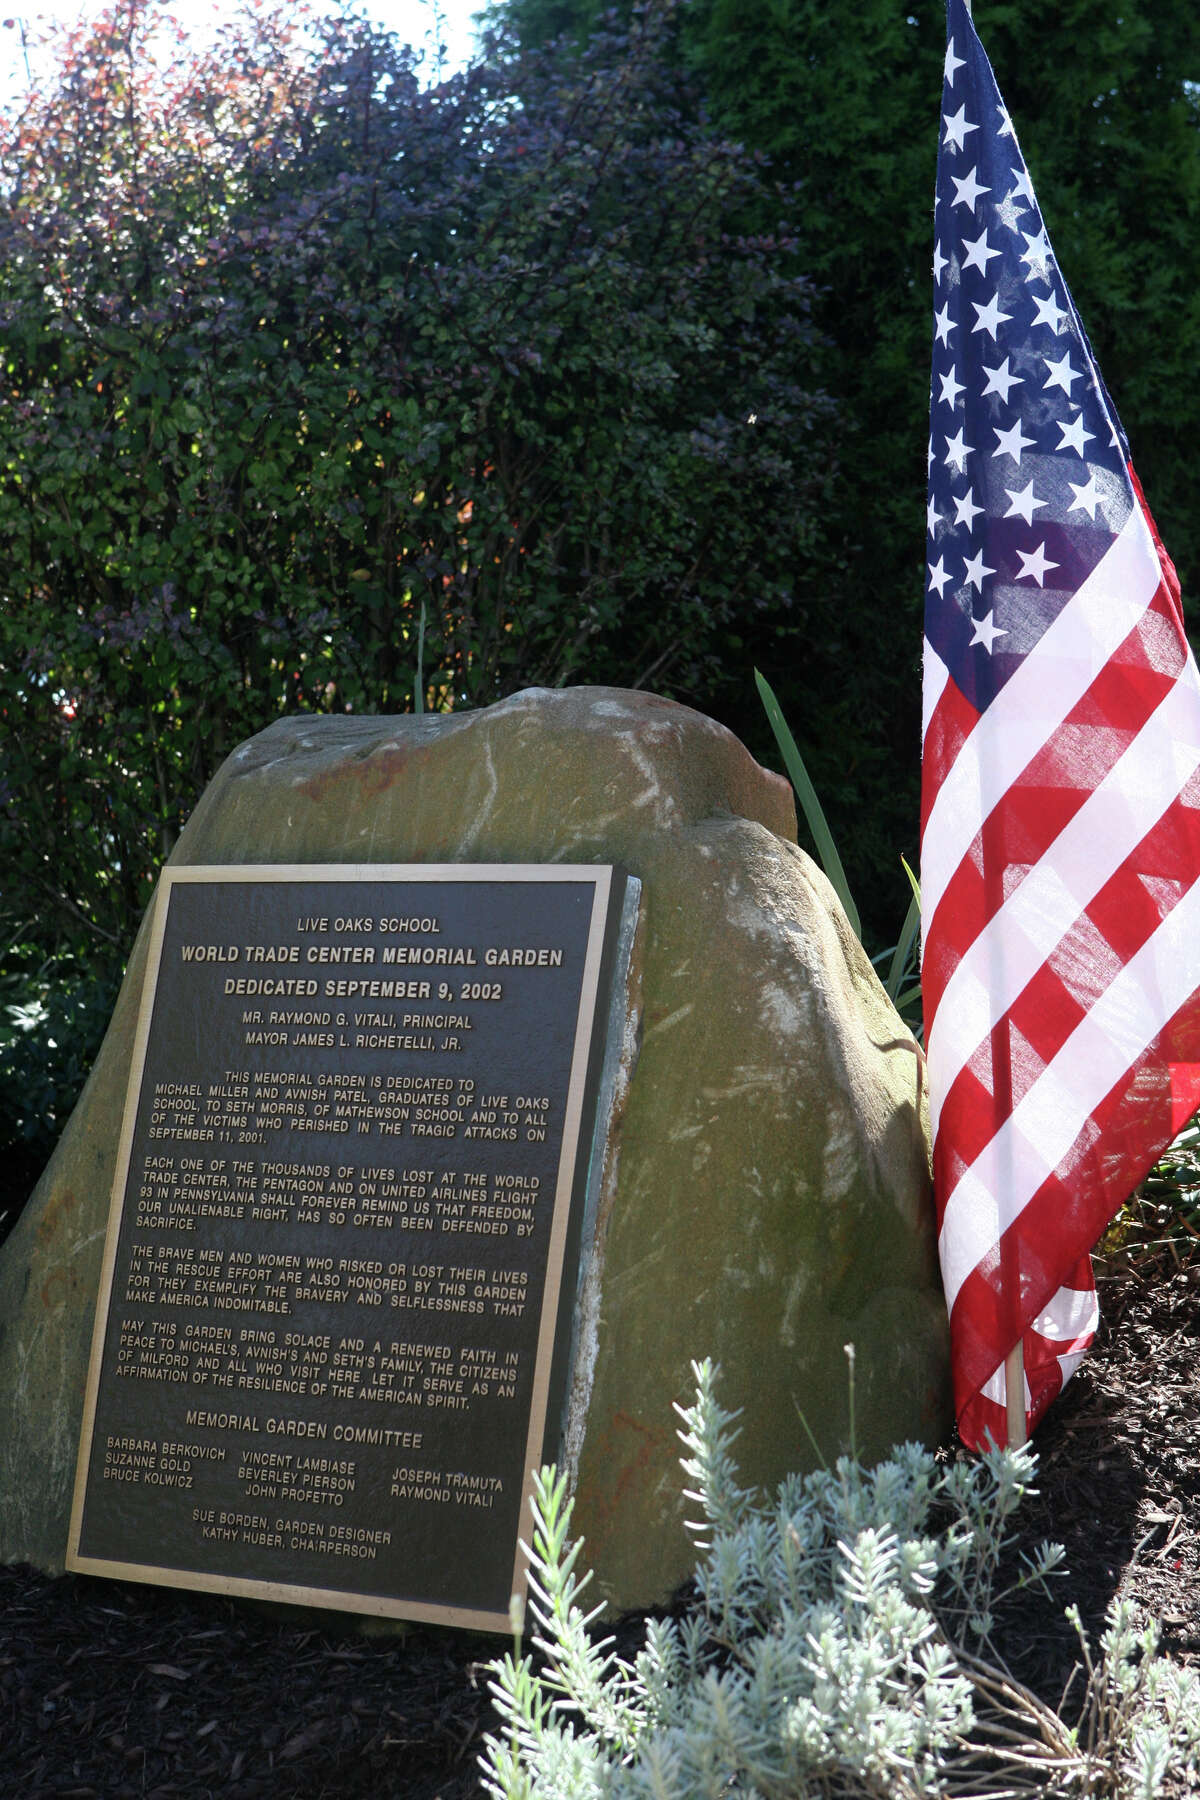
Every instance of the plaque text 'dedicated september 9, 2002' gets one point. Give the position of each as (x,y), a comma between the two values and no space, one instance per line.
(341,1222)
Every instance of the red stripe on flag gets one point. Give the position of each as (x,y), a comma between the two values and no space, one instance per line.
(950,725)
(1042,1369)
(1045,795)
(1114,926)
(988,1423)
(1116,1150)
(1169,573)
(1185,1094)
(1125,913)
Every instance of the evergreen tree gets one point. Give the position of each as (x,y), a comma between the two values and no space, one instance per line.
(322,392)
(844,100)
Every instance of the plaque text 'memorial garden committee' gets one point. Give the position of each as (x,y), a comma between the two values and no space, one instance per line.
(326,1332)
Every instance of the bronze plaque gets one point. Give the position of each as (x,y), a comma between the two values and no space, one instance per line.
(339,1256)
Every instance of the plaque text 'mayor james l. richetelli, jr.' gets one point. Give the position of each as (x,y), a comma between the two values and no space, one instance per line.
(340,1232)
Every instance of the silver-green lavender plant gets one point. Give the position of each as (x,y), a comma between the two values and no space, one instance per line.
(839,1645)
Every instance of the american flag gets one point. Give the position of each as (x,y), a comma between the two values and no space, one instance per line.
(1060,847)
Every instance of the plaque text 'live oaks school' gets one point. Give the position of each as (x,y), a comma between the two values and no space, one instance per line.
(341,1229)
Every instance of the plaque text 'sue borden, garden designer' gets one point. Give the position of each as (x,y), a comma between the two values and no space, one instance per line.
(334,1309)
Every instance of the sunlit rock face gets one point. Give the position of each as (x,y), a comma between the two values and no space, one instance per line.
(764,1192)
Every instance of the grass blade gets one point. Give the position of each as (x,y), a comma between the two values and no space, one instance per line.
(904,947)
(806,793)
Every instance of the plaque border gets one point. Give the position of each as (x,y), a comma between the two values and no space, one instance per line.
(605,881)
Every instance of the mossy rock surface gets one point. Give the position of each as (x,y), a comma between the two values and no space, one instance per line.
(765,1197)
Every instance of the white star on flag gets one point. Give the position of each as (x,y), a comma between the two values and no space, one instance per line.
(979,252)
(968,191)
(958,450)
(999,381)
(1087,498)
(1061,373)
(965,510)
(1022,504)
(986,631)
(1036,564)
(1074,435)
(951,388)
(989,318)
(976,571)
(1022,186)
(1012,442)
(1049,312)
(1036,253)
(957,128)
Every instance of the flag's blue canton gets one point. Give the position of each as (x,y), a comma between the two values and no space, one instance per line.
(1027,478)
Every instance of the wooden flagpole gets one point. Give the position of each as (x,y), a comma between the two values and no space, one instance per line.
(1014,1389)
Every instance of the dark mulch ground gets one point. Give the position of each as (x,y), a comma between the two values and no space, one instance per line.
(1119,1481)
(111,1691)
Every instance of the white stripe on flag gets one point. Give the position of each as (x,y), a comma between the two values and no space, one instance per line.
(1071,1317)
(996,1388)
(1071,1313)
(1033,704)
(934,677)
(1036,915)
(1040,1130)
(1068,1364)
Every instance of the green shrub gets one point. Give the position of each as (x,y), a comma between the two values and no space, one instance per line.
(295,356)
(52,1020)
(837,1645)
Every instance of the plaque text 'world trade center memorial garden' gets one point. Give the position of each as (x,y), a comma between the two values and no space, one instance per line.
(330,1331)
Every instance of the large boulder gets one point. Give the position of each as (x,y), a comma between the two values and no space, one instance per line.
(765,1197)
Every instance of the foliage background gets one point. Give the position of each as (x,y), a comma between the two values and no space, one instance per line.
(605,360)
(843,99)
(325,392)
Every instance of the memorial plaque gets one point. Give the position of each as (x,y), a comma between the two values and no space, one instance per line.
(341,1230)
